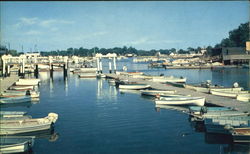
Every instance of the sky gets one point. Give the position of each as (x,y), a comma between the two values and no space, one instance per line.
(46,26)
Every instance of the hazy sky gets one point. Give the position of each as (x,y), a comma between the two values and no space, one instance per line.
(143,24)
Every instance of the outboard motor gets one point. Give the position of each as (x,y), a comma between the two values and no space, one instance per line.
(28,93)
(235,85)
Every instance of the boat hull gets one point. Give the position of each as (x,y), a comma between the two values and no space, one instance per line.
(198,102)
(134,87)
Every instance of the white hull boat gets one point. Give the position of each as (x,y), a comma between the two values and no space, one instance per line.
(32,94)
(227,89)
(232,94)
(27,82)
(11,100)
(22,88)
(169,79)
(243,97)
(12,114)
(87,75)
(199,101)
(27,125)
(16,144)
(134,86)
(157,92)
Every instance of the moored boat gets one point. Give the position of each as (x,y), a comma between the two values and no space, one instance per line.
(31,93)
(27,82)
(223,124)
(181,101)
(241,135)
(87,75)
(12,113)
(16,144)
(134,86)
(164,79)
(228,93)
(157,92)
(18,99)
(27,125)
(243,97)
(21,88)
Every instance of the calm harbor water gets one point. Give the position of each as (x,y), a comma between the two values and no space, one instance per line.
(95,117)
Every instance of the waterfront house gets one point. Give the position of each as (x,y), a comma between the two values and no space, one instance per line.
(235,55)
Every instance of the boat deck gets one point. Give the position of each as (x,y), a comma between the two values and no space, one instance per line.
(210,99)
(5,83)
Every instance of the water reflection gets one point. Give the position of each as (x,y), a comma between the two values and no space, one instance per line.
(49,135)
(104,92)
(66,86)
(172,107)
(25,104)
(123,91)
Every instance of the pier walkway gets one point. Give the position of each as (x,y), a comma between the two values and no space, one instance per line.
(210,99)
(5,83)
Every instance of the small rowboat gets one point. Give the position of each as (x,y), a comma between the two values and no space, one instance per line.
(243,97)
(87,75)
(164,79)
(228,93)
(12,100)
(32,94)
(27,125)
(22,88)
(12,113)
(157,92)
(27,82)
(241,134)
(134,86)
(16,144)
(199,101)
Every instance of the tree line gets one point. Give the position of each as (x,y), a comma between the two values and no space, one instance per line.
(237,38)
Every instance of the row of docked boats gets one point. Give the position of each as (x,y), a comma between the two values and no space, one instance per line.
(19,130)
(24,90)
(233,92)
(223,120)
(163,97)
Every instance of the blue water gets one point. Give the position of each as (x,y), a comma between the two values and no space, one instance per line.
(95,117)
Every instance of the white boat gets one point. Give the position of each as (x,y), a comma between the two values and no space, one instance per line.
(32,94)
(18,99)
(101,75)
(164,79)
(157,92)
(12,113)
(27,125)
(243,97)
(87,75)
(199,101)
(22,88)
(27,82)
(134,86)
(16,144)
(228,93)
(227,89)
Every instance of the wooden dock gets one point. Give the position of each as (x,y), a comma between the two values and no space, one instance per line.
(5,83)
(210,99)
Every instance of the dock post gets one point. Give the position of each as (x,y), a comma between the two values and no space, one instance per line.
(114,65)
(110,66)
(100,65)
(23,68)
(8,70)
(4,69)
(64,70)
(51,70)
(36,71)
